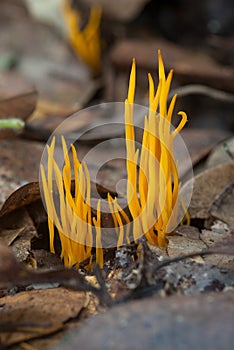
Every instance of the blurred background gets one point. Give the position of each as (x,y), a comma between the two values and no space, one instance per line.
(59,56)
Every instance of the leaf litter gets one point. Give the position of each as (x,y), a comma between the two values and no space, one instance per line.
(198,261)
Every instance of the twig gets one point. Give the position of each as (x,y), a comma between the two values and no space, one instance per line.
(202,90)
(226,251)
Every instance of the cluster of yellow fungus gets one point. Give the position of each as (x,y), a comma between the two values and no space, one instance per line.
(152,188)
(85,42)
(74,219)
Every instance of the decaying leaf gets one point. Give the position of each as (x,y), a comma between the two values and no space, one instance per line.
(216,238)
(59,99)
(189,240)
(18,230)
(30,193)
(46,260)
(17,96)
(17,168)
(200,143)
(223,153)
(207,185)
(180,245)
(22,197)
(222,208)
(23,218)
(36,313)
(13,273)
(9,236)
(184,61)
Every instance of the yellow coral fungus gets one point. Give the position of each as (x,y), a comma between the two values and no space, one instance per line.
(152,187)
(73,219)
(157,198)
(85,42)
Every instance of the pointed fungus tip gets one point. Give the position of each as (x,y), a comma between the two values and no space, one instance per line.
(155,198)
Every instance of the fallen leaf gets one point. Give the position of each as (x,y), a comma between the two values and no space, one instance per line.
(200,143)
(30,193)
(188,231)
(223,153)
(212,239)
(18,97)
(186,241)
(58,98)
(22,230)
(184,61)
(179,245)
(9,236)
(206,186)
(22,197)
(45,259)
(13,273)
(36,313)
(222,208)
(19,164)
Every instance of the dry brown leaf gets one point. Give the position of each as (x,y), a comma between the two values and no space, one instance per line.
(179,245)
(17,96)
(223,153)
(200,143)
(59,98)
(22,197)
(186,241)
(184,61)
(12,273)
(30,193)
(207,185)
(214,239)
(222,208)
(9,236)
(36,313)
(24,211)
(19,161)
(18,230)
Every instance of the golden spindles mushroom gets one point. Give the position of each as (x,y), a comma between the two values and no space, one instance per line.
(152,188)
(86,41)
